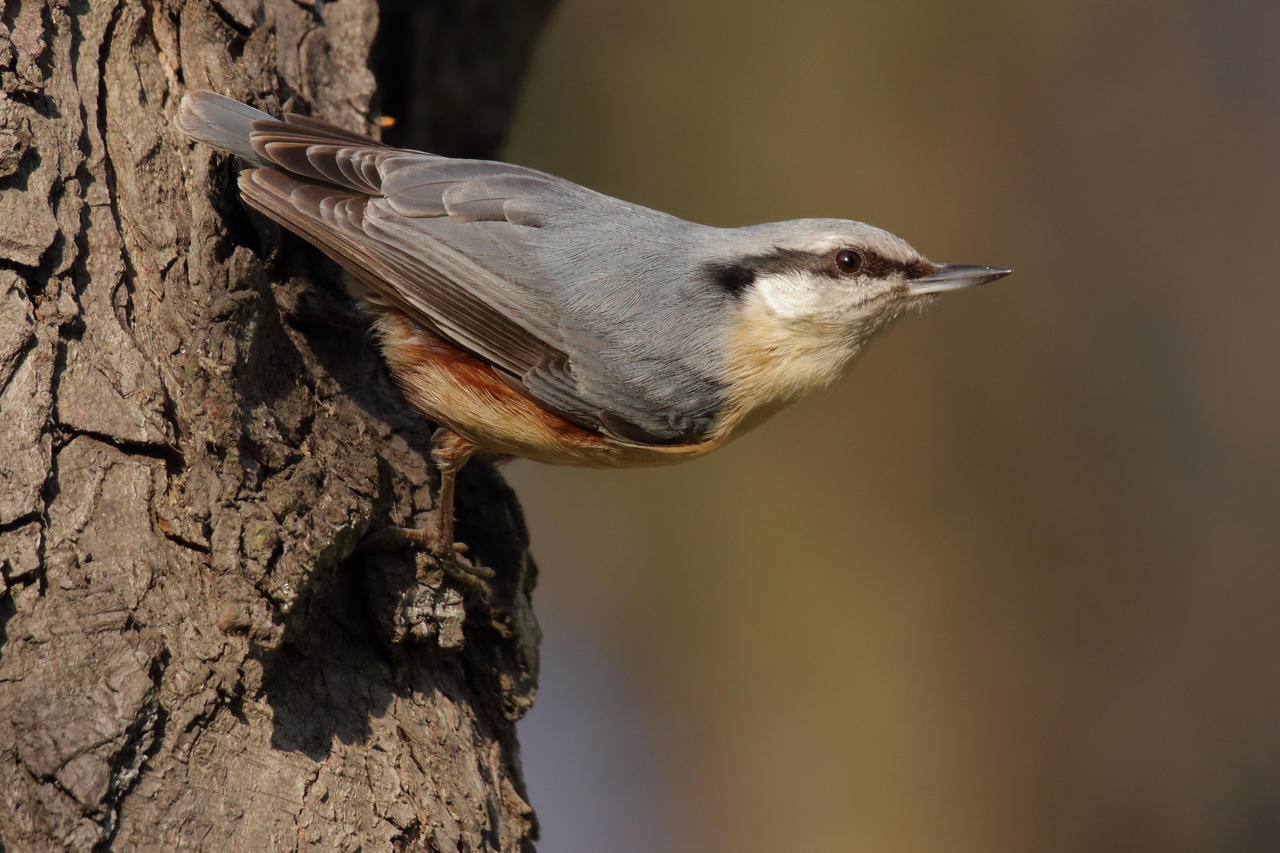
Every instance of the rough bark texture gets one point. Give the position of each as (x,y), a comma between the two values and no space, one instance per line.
(195,431)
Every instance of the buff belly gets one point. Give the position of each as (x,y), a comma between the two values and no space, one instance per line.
(457,390)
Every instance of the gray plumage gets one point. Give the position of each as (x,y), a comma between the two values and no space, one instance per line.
(625,321)
(654,339)
(568,292)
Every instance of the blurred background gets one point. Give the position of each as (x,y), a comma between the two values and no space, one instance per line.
(1013,584)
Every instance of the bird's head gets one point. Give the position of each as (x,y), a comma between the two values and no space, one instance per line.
(837,273)
(810,293)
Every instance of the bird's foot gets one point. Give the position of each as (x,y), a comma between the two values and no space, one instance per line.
(460,568)
(452,559)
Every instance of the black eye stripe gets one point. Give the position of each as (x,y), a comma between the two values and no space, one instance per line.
(736,276)
(919,269)
(877,266)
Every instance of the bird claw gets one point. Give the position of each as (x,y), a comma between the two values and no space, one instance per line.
(474,577)
(452,560)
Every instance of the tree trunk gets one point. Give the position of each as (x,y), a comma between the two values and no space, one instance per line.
(195,432)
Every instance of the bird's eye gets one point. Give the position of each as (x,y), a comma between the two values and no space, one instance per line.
(848,261)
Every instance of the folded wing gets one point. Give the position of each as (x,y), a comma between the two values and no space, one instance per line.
(452,244)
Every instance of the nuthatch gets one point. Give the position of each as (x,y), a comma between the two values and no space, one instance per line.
(530,316)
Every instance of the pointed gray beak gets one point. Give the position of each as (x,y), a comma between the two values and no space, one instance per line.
(953,277)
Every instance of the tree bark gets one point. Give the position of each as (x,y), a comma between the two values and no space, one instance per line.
(195,432)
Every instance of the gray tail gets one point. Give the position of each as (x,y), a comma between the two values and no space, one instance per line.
(221,122)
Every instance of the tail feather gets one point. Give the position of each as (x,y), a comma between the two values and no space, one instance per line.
(299,144)
(223,123)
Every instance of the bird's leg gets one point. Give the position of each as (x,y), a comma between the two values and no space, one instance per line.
(449,452)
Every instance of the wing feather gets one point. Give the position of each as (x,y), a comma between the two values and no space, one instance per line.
(455,245)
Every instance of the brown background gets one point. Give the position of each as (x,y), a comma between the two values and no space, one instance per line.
(1013,584)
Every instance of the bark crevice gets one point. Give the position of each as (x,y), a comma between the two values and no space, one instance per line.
(197,432)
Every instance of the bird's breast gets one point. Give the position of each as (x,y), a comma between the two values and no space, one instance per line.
(773,360)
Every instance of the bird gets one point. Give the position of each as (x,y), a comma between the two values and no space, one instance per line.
(526,315)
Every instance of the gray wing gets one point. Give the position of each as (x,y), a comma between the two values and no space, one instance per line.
(548,282)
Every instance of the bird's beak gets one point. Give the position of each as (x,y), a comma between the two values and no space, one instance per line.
(953,277)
